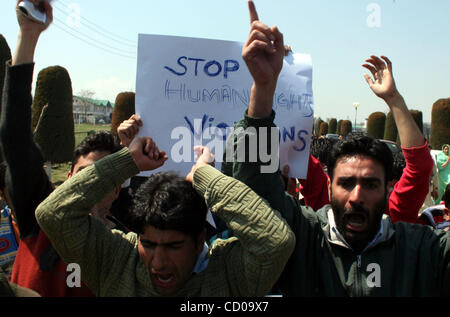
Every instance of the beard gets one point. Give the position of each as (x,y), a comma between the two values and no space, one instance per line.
(357,224)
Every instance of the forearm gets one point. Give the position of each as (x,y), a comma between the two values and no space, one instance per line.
(27,182)
(411,190)
(246,165)
(408,131)
(266,239)
(26,45)
(64,215)
(261,100)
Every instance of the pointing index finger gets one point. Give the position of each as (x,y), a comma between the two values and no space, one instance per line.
(253,13)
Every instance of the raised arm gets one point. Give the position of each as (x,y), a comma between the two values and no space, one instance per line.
(26,181)
(29,34)
(263,54)
(80,238)
(410,191)
(256,260)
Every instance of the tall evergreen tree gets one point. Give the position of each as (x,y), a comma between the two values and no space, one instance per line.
(332,126)
(317,126)
(323,129)
(440,124)
(52,115)
(375,125)
(390,128)
(339,126)
(124,108)
(346,127)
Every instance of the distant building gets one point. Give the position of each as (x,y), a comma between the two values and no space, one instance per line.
(87,110)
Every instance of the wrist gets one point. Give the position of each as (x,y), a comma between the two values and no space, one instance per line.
(261,100)
(394,99)
(29,34)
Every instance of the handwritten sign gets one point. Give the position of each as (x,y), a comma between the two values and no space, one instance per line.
(191,91)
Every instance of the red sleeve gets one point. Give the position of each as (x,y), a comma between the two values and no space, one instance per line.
(315,187)
(411,190)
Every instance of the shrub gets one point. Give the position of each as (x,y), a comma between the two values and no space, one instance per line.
(390,128)
(323,129)
(375,125)
(338,128)
(440,124)
(52,115)
(317,126)
(124,108)
(332,126)
(346,127)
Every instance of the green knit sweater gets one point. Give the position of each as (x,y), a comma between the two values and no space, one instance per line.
(246,265)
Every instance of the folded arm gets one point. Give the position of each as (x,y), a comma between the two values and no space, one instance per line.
(265,240)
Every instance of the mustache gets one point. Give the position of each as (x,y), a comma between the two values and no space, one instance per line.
(356,209)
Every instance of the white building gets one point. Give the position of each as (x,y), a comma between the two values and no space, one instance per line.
(86,110)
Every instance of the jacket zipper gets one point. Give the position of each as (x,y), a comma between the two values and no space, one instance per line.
(359,281)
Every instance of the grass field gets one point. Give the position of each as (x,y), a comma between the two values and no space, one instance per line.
(59,171)
(81,130)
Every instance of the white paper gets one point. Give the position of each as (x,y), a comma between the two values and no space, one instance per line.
(201,85)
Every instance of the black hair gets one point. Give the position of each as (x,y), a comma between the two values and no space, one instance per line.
(167,201)
(354,144)
(2,175)
(398,166)
(101,141)
(321,149)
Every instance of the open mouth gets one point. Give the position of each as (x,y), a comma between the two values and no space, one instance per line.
(356,222)
(163,280)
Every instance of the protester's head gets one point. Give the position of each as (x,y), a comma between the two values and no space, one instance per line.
(445,149)
(169,217)
(398,166)
(359,170)
(93,148)
(101,142)
(321,149)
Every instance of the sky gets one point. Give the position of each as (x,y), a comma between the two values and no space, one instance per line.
(96,41)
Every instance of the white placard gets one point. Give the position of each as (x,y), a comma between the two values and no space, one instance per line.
(191,91)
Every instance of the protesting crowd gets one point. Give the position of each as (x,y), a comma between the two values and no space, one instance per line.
(357,225)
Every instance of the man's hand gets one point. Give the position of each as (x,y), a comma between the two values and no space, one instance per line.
(203,156)
(29,34)
(263,53)
(29,26)
(146,154)
(382,83)
(128,129)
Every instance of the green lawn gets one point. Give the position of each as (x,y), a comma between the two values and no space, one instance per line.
(59,171)
(81,130)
